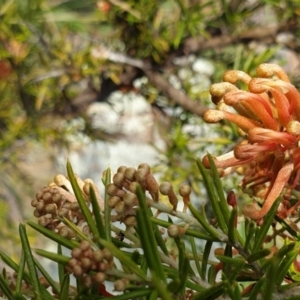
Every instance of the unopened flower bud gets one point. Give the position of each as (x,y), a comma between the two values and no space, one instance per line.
(185,191)
(130,199)
(112,201)
(120,285)
(78,271)
(113,190)
(99,277)
(120,207)
(167,189)
(130,174)
(175,230)
(130,221)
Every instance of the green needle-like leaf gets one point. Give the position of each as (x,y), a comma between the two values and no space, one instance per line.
(207,180)
(82,203)
(269,218)
(126,260)
(20,272)
(59,258)
(285,264)
(34,280)
(64,291)
(206,253)
(258,255)
(4,287)
(211,293)
(249,231)
(97,214)
(161,287)
(53,236)
(47,276)
(202,220)
(61,271)
(147,237)
(107,209)
(195,255)
(257,288)
(219,189)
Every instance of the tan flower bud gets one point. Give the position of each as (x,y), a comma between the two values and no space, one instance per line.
(84,245)
(175,230)
(97,255)
(120,285)
(76,253)
(113,200)
(167,189)
(130,199)
(86,263)
(120,207)
(130,174)
(130,221)
(99,277)
(185,191)
(107,254)
(122,169)
(78,271)
(113,190)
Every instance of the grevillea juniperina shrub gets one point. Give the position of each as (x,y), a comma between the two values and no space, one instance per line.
(150,240)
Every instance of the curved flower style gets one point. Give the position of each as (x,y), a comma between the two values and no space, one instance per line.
(268,113)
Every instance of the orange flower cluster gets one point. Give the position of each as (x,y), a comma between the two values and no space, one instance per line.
(268,113)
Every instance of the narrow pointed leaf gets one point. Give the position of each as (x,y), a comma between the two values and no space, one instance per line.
(53,284)
(4,287)
(250,230)
(201,219)
(161,287)
(147,237)
(269,218)
(219,189)
(97,214)
(64,291)
(20,272)
(107,209)
(30,262)
(79,233)
(161,243)
(271,276)
(195,255)
(211,293)
(53,236)
(206,253)
(82,203)
(8,261)
(61,269)
(258,255)
(207,180)
(59,258)
(285,265)
(126,260)
(257,288)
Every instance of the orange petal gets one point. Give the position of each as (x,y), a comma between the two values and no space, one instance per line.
(281,180)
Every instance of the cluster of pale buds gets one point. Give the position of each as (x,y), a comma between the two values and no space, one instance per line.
(90,265)
(122,192)
(57,201)
(268,113)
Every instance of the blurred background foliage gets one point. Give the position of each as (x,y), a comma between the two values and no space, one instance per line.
(59,57)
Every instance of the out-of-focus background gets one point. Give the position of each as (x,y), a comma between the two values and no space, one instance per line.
(110,83)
